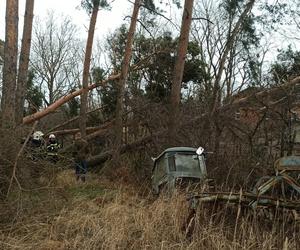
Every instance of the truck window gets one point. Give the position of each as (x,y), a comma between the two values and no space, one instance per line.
(171,162)
(187,162)
(161,168)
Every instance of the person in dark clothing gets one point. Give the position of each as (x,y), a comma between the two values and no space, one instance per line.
(80,154)
(36,144)
(52,148)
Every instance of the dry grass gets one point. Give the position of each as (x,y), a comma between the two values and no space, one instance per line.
(106,215)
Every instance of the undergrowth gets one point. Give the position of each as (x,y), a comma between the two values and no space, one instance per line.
(103,214)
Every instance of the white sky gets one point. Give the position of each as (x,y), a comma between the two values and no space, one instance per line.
(107,20)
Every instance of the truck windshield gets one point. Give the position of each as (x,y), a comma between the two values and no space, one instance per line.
(187,162)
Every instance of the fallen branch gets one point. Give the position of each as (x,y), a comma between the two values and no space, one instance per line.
(102,131)
(13,176)
(236,103)
(75,130)
(71,120)
(101,158)
(103,128)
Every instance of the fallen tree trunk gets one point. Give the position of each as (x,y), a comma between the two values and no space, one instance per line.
(75,130)
(262,94)
(101,132)
(101,158)
(40,114)
(103,128)
(70,121)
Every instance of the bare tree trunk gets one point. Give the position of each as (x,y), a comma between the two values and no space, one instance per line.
(24,61)
(216,100)
(86,69)
(10,64)
(122,81)
(178,69)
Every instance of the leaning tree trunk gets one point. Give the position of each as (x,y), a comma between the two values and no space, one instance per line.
(86,69)
(10,64)
(61,101)
(40,114)
(217,90)
(178,69)
(216,100)
(122,82)
(24,61)
(51,108)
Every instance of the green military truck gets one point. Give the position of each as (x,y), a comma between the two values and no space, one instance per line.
(178,166)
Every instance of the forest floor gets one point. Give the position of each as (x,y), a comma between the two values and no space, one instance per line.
(105,214)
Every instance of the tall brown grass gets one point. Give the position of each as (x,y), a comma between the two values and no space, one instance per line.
(118,218)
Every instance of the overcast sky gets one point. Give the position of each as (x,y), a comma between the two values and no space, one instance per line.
(107,20)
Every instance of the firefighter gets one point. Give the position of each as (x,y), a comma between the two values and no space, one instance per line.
(37,139)
(36,145)
(52,148)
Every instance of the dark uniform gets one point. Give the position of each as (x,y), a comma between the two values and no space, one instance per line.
(52,150)
(80,154)
(36,146)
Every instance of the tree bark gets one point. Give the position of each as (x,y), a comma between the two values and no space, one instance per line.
(216,100)
(178,69)
(86,69)
(24,61)
(122,81)
(10,64)
(51,108)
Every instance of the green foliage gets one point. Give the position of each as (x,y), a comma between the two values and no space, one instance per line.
(108,93)
(88,5)
(177,3)
(155,77)
(287,65)
(279,14)
(98,74)
(248,40)
(73,106)
(231,10)
(116,45)
(33,94)
(249,36)
(149,4)
(159,72)
(273,14)
(231,7)
(254,70)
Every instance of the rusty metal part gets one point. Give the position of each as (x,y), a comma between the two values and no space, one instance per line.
(246,199)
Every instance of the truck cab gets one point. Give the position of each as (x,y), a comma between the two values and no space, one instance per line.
(178,166)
